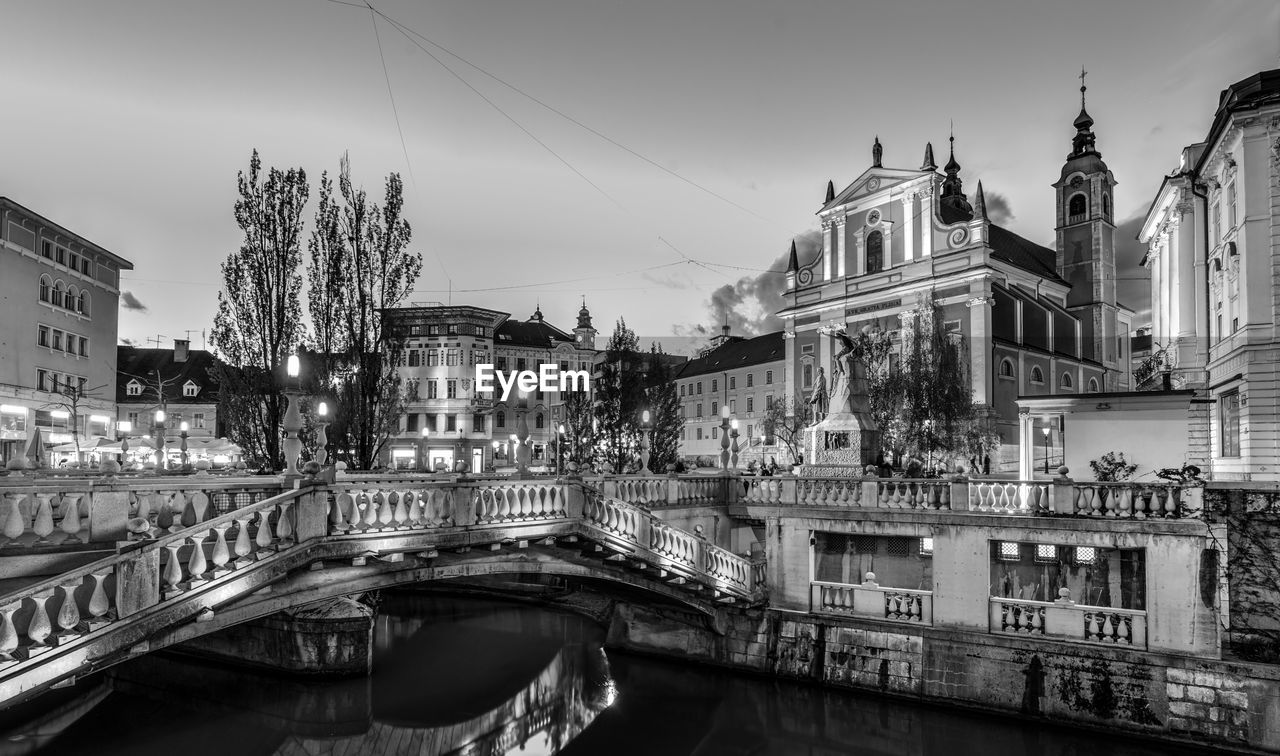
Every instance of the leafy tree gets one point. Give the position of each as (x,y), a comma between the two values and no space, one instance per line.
(359,266)
(785,420)
(664,408)
(579,422)
(619,400)
(259,310)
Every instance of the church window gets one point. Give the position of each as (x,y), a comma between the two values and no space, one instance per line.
(1066,382)
(1006,368)
(538,421)
(1106,206)
(1231,206)
(1076,208)
(1037,376)
(1229,423)
(1093,385)
(875,252)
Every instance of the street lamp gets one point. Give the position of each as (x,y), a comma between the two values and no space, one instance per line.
(724,437)
(928,441)
(158,429)
(123,429)
(183,427)
(1045,430)
(292,422)
(322,434)
(522,434)
(734,435)
(646,431)
(559,448)
(422,451)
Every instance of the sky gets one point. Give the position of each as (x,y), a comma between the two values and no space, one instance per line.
(706,130)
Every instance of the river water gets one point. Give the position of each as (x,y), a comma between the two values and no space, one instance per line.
(471,676)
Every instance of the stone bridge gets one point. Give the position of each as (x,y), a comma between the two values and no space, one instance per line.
(186,570)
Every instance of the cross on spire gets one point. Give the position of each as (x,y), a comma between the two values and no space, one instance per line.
(1083,73)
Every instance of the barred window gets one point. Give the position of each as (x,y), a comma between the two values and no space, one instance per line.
(1009,551)
(1046,553)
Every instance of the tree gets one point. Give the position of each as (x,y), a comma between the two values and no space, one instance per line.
(786,420)
(579,422)
(359,267)
(259,309)
(70,398)
(619,401)
(664,408)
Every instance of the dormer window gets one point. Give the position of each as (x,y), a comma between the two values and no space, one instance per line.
(133,388)
(190,388)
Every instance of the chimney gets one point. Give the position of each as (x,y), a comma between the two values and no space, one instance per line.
(181,348)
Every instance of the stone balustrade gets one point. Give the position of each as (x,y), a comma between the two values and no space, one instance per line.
(871,600)
(1066,620)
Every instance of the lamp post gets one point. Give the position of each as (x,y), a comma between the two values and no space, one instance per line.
(423,452)
(183,428)
(646,432)
(1045,430)
(559,448)
(733,433)
(123,429)
(522,434)
(725,427)
(322,434)
(158,429)
(928,441)
(292,423)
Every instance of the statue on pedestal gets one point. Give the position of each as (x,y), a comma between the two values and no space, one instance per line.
(818,397)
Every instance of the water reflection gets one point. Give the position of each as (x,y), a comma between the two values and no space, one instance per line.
(479,678)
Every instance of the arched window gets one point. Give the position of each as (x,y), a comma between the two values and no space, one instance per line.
(500,420)
(82,306)
(1093,385)
(44,288)
(1037,376)
(73,297)
(1066,381)
(58,293)
(875,252)
(1006,368)
(1078,205)
(1106,206)
(538,422)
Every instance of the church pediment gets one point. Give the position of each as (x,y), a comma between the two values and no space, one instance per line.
(873,181)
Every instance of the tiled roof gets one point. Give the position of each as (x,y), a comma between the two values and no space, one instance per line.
(1015,250)
(143,363)
(736,354)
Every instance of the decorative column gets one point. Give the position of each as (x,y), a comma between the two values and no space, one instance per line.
(646,429)
(158,430)
(733,433)
(841,251)
(1026,445)
(980,349)
(724,437)
(926,222)
(908,226)
(826,250)
(322,434)
(292,422)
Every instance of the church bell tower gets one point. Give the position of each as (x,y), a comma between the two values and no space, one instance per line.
(1086,250)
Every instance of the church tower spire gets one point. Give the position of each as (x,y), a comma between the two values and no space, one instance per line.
(1085,241)
(929,164)
(953,198)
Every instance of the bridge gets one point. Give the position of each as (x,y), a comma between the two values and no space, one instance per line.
(187,569)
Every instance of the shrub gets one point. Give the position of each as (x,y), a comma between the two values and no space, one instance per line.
(1112,467)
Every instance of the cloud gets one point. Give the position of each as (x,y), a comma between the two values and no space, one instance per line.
(668,281)
(1133,286)
(128,342)
(998,208)
(129,302)
(749,305)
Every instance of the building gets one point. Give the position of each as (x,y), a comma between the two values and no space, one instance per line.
(179,381)
(442,346)
(1214,257)
(59,307)
(743,374)
(901,243)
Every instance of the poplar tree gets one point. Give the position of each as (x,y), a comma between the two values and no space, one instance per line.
(664,409)
(259,310)
(620,397)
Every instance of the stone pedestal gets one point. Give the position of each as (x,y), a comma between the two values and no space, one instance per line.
(847,436)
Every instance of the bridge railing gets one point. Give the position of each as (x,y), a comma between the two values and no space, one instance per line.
(688,489)
(58,611)
(1059,497)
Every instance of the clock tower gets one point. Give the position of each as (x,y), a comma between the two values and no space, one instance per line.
(1086,253)
(584,333)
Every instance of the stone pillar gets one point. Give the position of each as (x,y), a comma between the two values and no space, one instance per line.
(980,372)
(926,223)
(138,581)
(826,251)
(842,251)
(108,514)
(1026,445)
(908,227)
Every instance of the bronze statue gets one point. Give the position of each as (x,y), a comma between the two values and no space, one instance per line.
(818,396)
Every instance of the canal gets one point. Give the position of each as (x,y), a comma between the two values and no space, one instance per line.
(472,676)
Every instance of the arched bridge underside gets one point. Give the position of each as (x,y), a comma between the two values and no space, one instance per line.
(318,542)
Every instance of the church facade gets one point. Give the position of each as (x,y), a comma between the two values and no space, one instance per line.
(902,243)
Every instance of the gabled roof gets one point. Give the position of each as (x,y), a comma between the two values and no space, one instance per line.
(861,185)
(530,333)
(142,364)
(735,354)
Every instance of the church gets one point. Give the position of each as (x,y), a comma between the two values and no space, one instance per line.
(901,242)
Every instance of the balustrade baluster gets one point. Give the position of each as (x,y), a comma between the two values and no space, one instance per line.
(1108,628)
(337,522)
(1170,502)
(263,538)
(69,612)
(178,510)
(369,508)
(400,513)
(1124,502)
(1124,629)
(197,565)
(411,504)
(172,570)
(14,523)
(1091,631)
(42,526)
(8,633)
(220,554)
(39,628)
(99,602)
(71,517)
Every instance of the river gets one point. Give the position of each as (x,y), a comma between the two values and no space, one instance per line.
(473,676)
